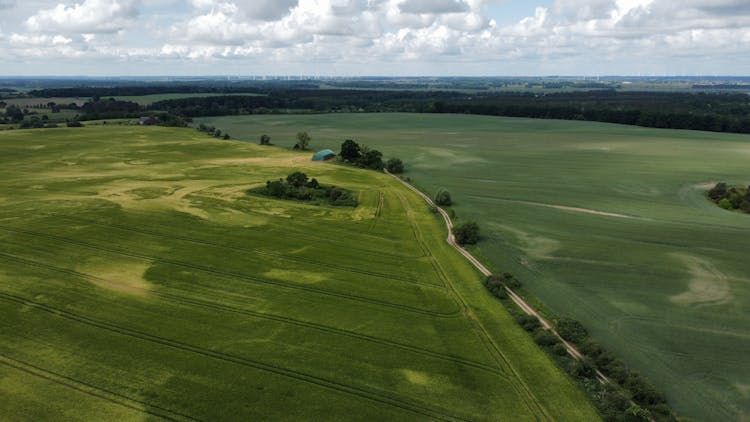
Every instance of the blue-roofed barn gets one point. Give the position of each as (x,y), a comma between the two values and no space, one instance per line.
(323,155)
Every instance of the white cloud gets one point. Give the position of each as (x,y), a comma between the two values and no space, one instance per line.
(90,16)
(573,36)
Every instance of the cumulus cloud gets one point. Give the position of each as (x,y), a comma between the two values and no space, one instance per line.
(90,16)
(433,6)
(375,34)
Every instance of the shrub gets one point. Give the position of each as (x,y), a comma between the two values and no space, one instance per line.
(466,233)
(745,206)
(571,330)
(297,179)
(582,368)
(718,192)
(443,197)
(529,322)
(265,139)
(395,166)
(559,349)
(724,203)
(74,123)
(546,338)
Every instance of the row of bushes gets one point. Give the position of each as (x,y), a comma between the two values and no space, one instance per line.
(212,131)
(628,398)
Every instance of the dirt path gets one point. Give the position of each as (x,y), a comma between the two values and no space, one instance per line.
(572,350)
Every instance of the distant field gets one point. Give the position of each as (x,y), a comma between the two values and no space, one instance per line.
(30,102)
(658,273)
(138,280)
(150,99)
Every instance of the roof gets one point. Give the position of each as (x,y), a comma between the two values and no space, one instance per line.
(323,155)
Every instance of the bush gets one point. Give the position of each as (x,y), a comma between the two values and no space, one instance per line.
(443,197)
(74,123)
(395,166)
(571,330)
(265,139)
(546,338)
(559,349)
(529,322)
(582,368)
(466,233)
(745,206)
(297,179)
(718,192)
(724,203)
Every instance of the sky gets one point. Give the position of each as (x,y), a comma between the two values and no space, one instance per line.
(374,37)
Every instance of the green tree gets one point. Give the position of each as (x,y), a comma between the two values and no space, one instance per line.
(303,141)
(265,139)
(466,233)
(571,330)
(350,151)
(718,192)
(443,197)
(14,113)
(297,179)
(395,166)
(373,159)
(276,188)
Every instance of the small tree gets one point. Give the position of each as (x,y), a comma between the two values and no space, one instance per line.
(443,197)
(718,192)
(297,179)
(276,188)
(265,139)
(466,233)
(373,159)
(303,141)
(572,330)
(14,113)
(350,151)
(395,166)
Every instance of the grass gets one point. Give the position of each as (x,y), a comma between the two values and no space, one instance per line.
(665,284)
(140,281)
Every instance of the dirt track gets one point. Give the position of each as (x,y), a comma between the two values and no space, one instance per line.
(572,351)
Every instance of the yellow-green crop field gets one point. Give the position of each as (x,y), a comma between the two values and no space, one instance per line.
(139,281)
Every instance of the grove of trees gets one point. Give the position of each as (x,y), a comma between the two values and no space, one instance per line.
(730,198)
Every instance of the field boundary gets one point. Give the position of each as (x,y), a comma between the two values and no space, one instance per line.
(525,307)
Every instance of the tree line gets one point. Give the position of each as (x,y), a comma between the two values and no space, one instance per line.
(629,397)
(717,112)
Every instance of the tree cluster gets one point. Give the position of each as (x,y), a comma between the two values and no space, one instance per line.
(497,283)
(466,233)
(362,156)
(730,198)
(443,198)
(298,186)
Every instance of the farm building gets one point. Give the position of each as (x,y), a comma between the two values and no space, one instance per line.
(323,155)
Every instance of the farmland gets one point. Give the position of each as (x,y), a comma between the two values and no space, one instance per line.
(603,223)
(139,280)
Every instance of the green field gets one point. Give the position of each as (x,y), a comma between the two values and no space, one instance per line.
(138,280)
(663,280)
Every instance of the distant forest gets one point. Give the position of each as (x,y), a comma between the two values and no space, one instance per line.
(716,112)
